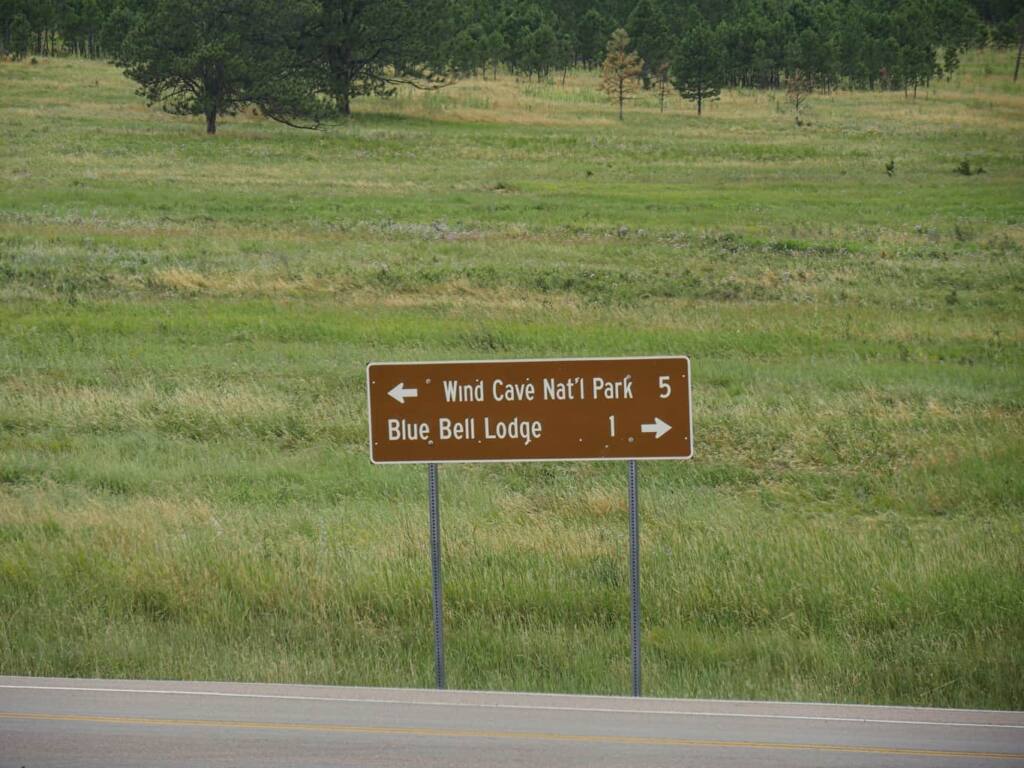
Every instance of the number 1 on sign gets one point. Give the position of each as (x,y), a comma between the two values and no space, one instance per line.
(611,426)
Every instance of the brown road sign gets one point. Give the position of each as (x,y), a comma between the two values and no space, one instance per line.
(530,410)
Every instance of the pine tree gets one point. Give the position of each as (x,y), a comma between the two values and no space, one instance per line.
(540,51)
(697,69)
(519,28)
(957,27)
(213,57)
(799,86)
(497,51)
(468,51)
(650,36)
(364,47)
(916,62)
(21,36)
(622,69)
(591,35)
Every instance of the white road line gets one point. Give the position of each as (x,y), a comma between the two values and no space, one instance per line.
(603,710)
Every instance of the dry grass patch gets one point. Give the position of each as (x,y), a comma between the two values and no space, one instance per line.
(251,283)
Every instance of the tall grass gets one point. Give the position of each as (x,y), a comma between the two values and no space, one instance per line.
(184,486)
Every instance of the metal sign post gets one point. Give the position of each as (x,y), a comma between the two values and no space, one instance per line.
(574,409)
(634,577)
(435,575)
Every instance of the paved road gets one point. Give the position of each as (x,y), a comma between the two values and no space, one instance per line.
(47,723)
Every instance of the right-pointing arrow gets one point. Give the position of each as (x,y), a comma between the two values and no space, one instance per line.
(658,428)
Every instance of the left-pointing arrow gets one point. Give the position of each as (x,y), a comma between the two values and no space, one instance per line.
(400,392)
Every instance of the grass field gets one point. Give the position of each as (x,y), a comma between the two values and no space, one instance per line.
(185,490)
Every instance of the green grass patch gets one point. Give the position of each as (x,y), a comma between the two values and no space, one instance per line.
(184,483)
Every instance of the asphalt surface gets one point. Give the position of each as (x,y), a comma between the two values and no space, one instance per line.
(47,722)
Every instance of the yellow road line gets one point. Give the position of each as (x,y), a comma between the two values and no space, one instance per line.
(516,735)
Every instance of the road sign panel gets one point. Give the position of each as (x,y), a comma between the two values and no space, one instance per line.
(574,409)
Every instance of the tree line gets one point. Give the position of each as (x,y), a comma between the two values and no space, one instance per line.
(306,60)
(53,27)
